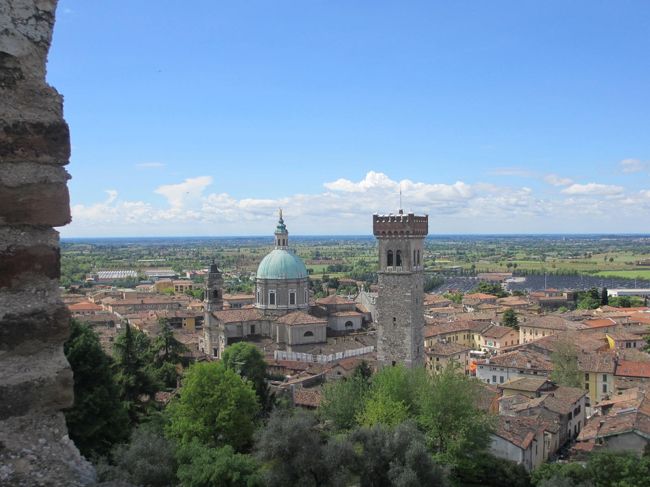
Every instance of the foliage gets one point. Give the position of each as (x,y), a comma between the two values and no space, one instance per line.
(483,469)
(201,466)
(246,359)
(216,406)
(509,318)
(454,297)
(131,352)
(147,460)
(394,457)
(604,297)
(342,399)
(590,299)
(167,353)
(98,419)
(490,288)
(442,405)
(603,469)
(294,452)
(565,365)
(432,282)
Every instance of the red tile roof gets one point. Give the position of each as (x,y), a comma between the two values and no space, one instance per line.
(300,318)
(628,368)
(237,315)
(84,306)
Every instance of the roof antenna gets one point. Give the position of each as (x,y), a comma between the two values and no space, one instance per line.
(400,199)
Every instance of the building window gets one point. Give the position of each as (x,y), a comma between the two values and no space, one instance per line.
(394,321)
(398,258)
(389,258)
(308,334)
(418,257)
(292,297)
(414,261)
(604,388)
(306,297)
(349,324)
(272,298)
(586,376)
(604,377)
(494,379)
(501,379)
(259,296)
(252,329)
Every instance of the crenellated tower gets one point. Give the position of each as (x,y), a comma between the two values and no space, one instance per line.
(400,311)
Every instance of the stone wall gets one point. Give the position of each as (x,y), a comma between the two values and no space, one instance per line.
(36,381)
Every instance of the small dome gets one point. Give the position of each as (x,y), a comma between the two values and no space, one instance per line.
(281,264)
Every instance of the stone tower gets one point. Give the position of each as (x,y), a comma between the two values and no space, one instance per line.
(213,300)
(400,313)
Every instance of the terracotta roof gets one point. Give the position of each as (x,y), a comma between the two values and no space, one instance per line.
(520,359)
(300,318)
(563,399)
(234,297)
(520,431)
(548,322)
(307,397)
(600,323)
(498,331)
(603,362)
(334,299)
(527,384)
(480,296)
(444,328)
(84,306)
(628,368)
(446,349)
(236,315)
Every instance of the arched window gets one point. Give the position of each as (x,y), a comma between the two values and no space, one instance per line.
(398,258)
(215,294)
(389,258)
(308,334)
(349,324)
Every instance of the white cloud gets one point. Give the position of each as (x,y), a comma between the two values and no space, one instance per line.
(179,194)
(593,189)
(512,171)
(150,165)
(634,165)
(556,180)
(345,206)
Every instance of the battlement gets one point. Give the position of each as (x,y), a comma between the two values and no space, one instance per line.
(400,225)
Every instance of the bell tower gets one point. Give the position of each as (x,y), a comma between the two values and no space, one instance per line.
(281,234)
(400,312)
(213,300)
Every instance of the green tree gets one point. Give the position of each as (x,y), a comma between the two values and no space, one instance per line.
(98,419)
(148,460)
(201,466)
(342,399)
(565,365)
(490,288)
(246,359)
(481,469)
(604,297)
(167,353)
(131,353)
(509,318)
(216,406)
(448,415)
(394,457)
(293,451)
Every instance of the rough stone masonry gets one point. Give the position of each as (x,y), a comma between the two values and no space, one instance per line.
(35,378)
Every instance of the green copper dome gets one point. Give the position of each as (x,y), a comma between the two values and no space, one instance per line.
(281,264)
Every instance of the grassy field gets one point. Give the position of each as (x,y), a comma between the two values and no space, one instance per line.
(637,274)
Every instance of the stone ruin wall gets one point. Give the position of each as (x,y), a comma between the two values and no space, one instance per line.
(35,379)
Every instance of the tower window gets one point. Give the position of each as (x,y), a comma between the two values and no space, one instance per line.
(418,260)
(398,258)
(306,297)
(272,298)
(414,261)
(394,321)
(389,258)
(259,297)
(309,334)
(292,297)
(215,294)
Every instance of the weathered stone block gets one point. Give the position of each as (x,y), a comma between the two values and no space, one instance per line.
(26,332)
(35,204)
(38,259)
(35,141)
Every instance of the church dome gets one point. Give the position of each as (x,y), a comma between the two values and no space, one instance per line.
(281,264)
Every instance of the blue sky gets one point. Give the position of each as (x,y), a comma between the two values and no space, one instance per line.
(202,117)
